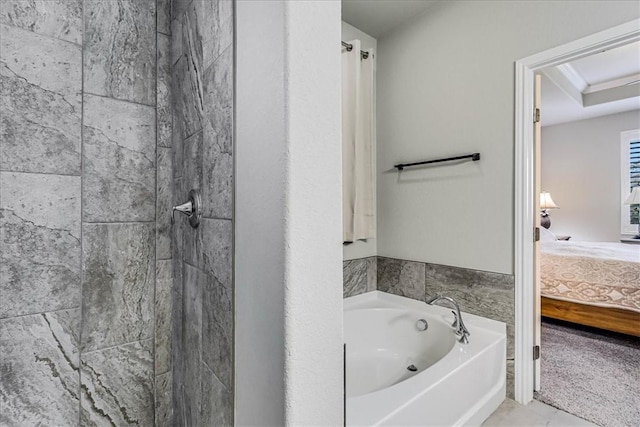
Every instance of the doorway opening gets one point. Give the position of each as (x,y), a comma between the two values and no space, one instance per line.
(526,318)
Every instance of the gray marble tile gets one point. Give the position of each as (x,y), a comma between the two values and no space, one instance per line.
(355,277)
(39,369)
(118,385)
(120,161)
(217,401)
(216,28)
(40,100)
(191,242)
(194,282)
(119,277)
(164,200)
(178,7)
(163,20)
(176,39)
(217,249)
(177,146)
(177,349)
(187,99)
(163,92)
(61,19)
(40,258)
(511,379)
(372,273)
(163,316)
(188,92)
(120,49)
(177,235)
(218,97)
(192,163)
(478,292)
(217,190)
(401,277)
(163,400)
(217,193)
(217,309)
(192,28)
(511,340)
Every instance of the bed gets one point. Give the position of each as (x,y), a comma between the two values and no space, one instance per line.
(592,283)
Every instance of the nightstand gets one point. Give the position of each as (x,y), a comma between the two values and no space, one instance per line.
(563,237)
(631,241)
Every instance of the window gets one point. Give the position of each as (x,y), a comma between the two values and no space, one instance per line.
(630,158)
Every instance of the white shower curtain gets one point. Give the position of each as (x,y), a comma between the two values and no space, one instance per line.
(358,135)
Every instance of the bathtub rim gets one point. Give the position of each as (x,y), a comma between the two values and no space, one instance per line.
(376,299)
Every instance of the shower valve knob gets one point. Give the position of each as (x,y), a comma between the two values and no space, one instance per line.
(191,208)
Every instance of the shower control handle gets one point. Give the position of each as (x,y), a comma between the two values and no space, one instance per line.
(192,209)
(185,208)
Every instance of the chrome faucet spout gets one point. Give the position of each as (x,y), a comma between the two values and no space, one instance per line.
(461,330)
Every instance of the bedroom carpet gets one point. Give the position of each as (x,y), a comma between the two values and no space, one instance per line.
(591,374)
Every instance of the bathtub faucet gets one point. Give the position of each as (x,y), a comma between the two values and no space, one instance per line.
(461,330)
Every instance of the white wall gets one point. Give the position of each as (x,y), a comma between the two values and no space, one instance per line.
(288,261)
(446,86)
(369,247)
(581,170)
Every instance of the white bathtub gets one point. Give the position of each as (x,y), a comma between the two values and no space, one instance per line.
(455,384)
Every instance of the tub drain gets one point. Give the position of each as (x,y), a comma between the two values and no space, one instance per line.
(412,368)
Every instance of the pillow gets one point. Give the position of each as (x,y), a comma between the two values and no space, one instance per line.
(546,235)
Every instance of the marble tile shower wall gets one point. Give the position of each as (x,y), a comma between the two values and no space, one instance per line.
(202,66)
(85,186)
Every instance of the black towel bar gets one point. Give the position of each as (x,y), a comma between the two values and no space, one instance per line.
(475,157)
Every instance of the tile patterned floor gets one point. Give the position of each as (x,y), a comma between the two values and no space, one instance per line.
(513,414)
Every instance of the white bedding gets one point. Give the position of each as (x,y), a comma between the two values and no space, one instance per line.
(602,250)
(595,273)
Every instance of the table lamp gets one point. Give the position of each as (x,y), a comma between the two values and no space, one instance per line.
(546,203)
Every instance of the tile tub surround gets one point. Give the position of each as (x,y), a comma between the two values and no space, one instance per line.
(478,292)
(359,276)
(202,148)
(482,293)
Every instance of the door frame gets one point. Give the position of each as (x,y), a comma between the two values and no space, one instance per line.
(524,186)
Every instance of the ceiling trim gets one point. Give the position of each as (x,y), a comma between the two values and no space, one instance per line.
(622,81)
(610,95)
(573,76)
(567,85)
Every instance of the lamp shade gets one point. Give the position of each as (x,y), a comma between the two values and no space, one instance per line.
(546,202)
(634,197)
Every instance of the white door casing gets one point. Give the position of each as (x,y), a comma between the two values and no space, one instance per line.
(525,187)
(537,127)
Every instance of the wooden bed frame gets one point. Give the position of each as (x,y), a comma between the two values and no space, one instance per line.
(610,319)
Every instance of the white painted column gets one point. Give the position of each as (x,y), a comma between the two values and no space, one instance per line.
(288,252)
